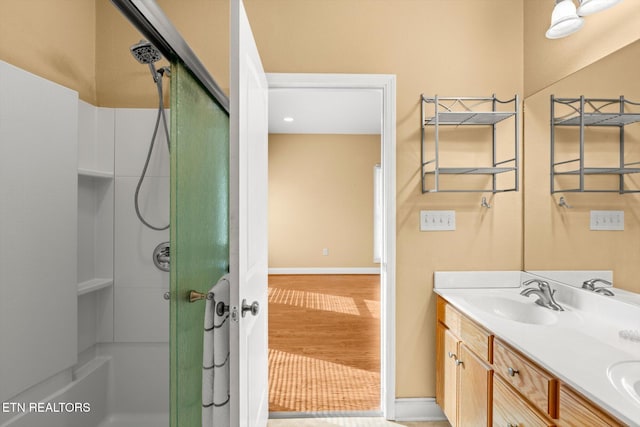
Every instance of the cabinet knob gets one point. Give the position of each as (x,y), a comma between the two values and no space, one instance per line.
(459,362)
(512,425)
(452,356)
(513,372)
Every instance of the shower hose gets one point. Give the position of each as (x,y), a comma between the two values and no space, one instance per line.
(160,115)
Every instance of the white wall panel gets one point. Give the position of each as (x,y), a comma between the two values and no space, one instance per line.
(141,315)
(133,132)
(140,377)
(38,229)
(135,242)
(87,321)
(140,312)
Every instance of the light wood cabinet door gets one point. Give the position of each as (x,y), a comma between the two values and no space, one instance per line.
(446,375)
(475,389)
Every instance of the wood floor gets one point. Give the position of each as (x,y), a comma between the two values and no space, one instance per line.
(324,343)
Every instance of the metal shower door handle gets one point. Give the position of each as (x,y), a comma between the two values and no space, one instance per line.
(199,296)
(254,308)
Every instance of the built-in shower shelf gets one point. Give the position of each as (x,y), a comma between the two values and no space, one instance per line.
(93,285)
(94,173)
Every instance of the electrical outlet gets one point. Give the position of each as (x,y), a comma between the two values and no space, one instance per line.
(437,220)
(607,220)
(325,252)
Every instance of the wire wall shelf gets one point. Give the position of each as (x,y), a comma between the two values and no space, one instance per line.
(467,111)
(583,113)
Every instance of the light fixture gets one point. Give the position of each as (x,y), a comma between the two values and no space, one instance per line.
(587,7)
(288,119)
(564,20)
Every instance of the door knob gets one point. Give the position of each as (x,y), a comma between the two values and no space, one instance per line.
(254,308)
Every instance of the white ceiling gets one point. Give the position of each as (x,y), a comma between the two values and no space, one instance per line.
(325,111)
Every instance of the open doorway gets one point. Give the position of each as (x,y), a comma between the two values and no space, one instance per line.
(327,127)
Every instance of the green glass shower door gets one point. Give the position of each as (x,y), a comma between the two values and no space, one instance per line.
(199,232)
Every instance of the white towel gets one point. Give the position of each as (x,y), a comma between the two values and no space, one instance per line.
(215,358)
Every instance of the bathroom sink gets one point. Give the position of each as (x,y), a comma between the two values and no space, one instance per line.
(625,377)
(512,309)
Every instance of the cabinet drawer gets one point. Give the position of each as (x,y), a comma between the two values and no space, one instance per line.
(476,338)
(575,411)
(509,409)
(532,382)
(449,316)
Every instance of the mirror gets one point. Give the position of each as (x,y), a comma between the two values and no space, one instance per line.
(559,237)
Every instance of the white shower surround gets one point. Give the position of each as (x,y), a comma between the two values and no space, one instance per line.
(124,384)
(122,367)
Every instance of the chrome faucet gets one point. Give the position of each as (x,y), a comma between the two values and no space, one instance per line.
(544,293)
(591,286)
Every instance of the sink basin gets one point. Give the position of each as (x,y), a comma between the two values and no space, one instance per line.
(625,377)
(518,311)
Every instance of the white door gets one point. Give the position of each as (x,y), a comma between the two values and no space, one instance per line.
(248,226)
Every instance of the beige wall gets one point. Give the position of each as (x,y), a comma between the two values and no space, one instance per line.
(559,238)
(321,196)
(547,61)
(54,39)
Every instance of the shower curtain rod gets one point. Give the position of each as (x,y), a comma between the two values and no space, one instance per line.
(151,21)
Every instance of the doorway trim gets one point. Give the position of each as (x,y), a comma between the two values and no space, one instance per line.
(386,83)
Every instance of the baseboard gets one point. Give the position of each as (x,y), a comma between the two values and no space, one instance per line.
(325,270)
(418,409)
(323,414)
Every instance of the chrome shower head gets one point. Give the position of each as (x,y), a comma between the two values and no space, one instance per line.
(145,52)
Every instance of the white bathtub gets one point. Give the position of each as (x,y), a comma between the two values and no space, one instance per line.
(136,420)
(122,385)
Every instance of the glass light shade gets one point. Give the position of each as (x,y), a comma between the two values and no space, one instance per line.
(564,20)
(587,7)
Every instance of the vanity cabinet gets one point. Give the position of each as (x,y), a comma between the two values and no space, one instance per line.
(464,376)
(482,381)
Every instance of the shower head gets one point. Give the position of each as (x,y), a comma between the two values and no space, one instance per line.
(145,52)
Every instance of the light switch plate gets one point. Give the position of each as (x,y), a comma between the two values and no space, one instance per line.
(607,220)
(437,220)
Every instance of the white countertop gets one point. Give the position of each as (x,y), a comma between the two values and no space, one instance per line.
(577,347)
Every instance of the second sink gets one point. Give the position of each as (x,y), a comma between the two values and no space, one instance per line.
(625,377)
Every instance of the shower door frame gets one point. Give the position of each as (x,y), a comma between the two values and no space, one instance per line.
(386,84)
(151,21)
